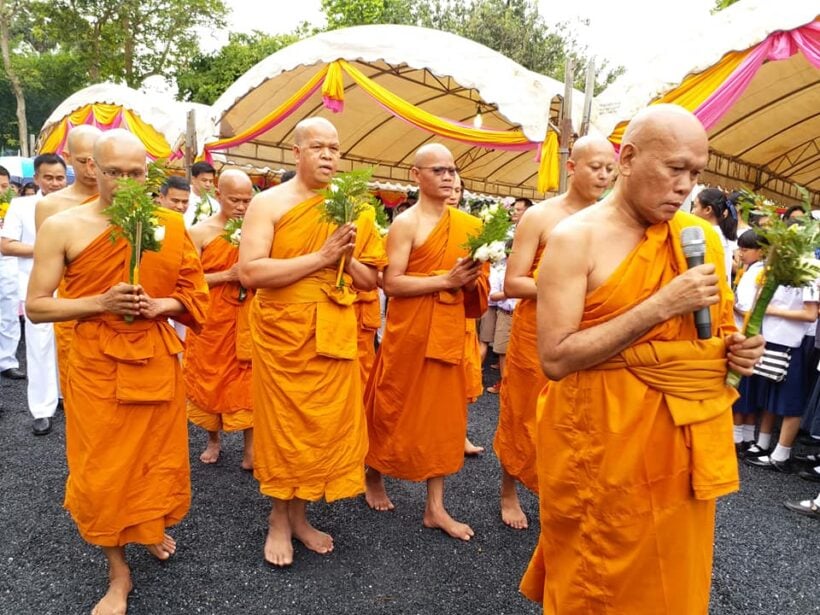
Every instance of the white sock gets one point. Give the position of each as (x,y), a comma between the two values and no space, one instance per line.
(763,440)
(738,434)
(781,453)
(817,501)
(748,433)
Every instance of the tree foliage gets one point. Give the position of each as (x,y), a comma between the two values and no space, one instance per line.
(722,4)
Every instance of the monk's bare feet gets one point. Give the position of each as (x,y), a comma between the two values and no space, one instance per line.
(441,519)
(278,544)
(115,601)
(375,493)
(511,513)
(470,449)
(313,539)
(212,450)
(247,454)
(247,462)
(163,550)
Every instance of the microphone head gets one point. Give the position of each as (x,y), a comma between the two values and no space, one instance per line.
(693,241)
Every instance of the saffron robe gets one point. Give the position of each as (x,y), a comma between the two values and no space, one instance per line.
(416,398)
(368,319)
(633,452)
(521,382)
(472,362)
(217,363)
(310,437)
(126,433)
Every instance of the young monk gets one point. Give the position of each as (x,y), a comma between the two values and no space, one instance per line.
(634,431)
(217,362)
(126,434)
(309,424)
(416,398)
(590,167)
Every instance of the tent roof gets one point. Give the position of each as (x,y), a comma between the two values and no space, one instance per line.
(440,72)
(774,126)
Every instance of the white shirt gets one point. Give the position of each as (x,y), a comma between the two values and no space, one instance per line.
(729,248)
(207,210)
(19,225)
(497,273)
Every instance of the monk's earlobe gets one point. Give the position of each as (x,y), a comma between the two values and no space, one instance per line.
(627,155)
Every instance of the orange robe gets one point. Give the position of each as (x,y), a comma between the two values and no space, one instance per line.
(633,452)
(310,437)
(472,362)
(368,319)
(126,433)
(217,363)
(416,398)
(521,382)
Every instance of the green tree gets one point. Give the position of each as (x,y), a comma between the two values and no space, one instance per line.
(722,4)
(207,76)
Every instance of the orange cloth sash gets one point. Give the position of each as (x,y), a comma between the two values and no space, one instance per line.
(521,382)
(217,363)
(416,398)
(369,319)
(632,452)
(126,434)
(310,434)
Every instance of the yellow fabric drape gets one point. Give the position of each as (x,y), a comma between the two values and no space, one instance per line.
(549,170)
(695,89)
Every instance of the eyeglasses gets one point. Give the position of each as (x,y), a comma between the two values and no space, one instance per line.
(119,174)
(439,171)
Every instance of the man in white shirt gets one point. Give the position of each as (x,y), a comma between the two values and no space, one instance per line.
(9,305)
(17,239)
(201,205)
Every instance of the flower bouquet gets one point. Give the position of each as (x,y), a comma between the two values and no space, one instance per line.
(5,200)
(232,233)
(346,198)
(204,208)
(133,214)
(789,252)
(491,242)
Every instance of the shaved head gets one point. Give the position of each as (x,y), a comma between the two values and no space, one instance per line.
(664,124)
(591,145)
(430,151)
(82,138)
(308,126)
(233,178)
(117,154)
(117,140)
(234,192)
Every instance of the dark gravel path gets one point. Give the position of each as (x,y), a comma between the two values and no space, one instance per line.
(767,559)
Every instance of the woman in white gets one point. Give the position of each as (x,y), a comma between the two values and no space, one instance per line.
(712,205)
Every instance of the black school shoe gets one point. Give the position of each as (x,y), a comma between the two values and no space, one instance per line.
(754,450)
(807,508)
(765,461)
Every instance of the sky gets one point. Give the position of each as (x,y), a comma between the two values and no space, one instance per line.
(613,32)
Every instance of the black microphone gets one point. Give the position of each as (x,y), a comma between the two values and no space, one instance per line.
(694,248)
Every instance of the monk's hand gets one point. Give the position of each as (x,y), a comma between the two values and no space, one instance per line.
(465,273)
(340,243)
(152,307)
(122,299)
(232,274)
(744,352)
(694,289)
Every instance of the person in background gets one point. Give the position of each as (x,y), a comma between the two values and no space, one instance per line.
(712,205)
(175,194)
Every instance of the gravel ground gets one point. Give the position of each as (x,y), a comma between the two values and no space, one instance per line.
(766,558)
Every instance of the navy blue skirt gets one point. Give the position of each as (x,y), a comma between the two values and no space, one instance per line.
(784,398)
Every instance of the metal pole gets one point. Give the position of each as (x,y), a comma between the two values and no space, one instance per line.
(589,91)
(565,126)
(190,143)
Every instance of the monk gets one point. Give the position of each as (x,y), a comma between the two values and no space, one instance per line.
(368,320)
(309,424)
(416,398)
(78,153)
(217,361)
(589,167)
(126,433)
(634,431)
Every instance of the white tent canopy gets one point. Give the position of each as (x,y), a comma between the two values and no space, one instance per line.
(444,74)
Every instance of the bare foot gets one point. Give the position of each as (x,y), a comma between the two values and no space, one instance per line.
(442,520)
(278,544)
(163,550)
(470,449)
(313,539)
(115,601)
(247,462)
(375,493)
(211,452)
(511,513)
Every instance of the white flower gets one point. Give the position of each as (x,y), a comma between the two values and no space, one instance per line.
(159,233)
(334,187)
(236,236)
(485,215)
(497,251)
(482,253)
(493,209)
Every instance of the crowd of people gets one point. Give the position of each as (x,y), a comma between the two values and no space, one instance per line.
(610,407)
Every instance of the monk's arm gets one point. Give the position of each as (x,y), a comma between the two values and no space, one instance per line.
(517,281)
(44,208)
(563,347)
(49,265)
(364,276)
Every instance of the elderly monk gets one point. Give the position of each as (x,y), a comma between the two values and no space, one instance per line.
(78,153)
(634,431)
(309,425)
(126,433)
(416,398)
(217,362)
(590,166)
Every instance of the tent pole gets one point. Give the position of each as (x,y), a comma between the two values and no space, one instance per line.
(190,143)
(565,132)
(588,94)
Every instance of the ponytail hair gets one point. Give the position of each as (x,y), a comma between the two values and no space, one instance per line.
(722,208)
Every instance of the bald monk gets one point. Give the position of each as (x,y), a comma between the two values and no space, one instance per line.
(217,361)
(78,153)
(309,424)
(634,431)
(473,357)
(590,167)
(416,398)
(126,433)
